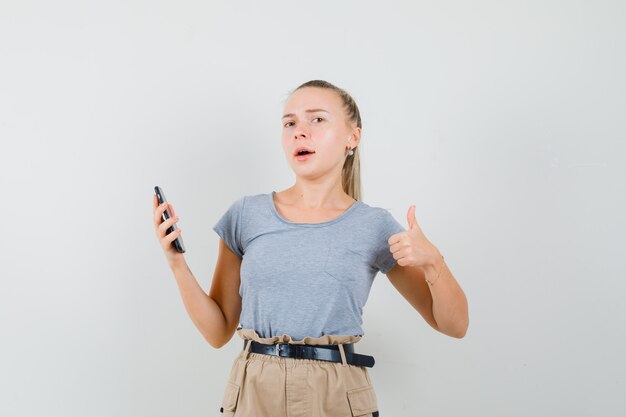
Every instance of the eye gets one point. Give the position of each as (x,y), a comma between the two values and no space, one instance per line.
(321,118)
(285,125)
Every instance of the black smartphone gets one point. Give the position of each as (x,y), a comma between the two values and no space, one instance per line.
(178,242)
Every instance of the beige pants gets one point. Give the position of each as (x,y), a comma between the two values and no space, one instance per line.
(272,386)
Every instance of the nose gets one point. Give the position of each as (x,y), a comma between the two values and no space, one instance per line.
(301,132)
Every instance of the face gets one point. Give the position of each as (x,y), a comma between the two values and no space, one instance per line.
(325,131)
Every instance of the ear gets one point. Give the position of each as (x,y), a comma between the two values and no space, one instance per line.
(356,136)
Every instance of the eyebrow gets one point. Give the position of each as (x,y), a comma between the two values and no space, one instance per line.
(307,111)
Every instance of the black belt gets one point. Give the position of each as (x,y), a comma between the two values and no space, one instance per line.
(319,352)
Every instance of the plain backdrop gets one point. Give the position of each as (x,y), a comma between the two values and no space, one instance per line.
(502,121)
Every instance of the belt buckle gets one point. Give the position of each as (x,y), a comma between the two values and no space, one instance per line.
(296,350)
(279,350)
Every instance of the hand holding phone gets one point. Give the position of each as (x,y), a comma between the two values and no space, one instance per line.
(165,223)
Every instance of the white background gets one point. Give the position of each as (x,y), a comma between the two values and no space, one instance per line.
(502,121)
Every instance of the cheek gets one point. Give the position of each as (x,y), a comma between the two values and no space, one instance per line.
(330,141)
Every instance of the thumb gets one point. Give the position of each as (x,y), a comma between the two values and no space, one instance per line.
(410,217)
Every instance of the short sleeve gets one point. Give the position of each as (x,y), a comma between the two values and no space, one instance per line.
(228,226)
(387,226)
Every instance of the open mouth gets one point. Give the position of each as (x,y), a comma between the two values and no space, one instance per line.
(303,150)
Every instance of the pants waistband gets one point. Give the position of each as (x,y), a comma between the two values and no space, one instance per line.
(332,353)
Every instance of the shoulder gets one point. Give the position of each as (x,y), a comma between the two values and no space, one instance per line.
(249,207)
(375,213)
(248,200)
(253,203)
(382,221)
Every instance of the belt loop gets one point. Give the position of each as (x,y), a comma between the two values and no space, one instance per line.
(343,355)
(247,348)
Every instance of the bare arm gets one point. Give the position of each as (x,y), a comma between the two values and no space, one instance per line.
(216,315)
(450,307)
(443,305)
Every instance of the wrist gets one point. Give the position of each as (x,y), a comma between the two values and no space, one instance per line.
(433,269)
(434,263)
(177,263)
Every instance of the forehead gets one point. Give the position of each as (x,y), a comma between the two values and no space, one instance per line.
(313,98)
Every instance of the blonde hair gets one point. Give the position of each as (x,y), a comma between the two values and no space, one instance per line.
(351,171)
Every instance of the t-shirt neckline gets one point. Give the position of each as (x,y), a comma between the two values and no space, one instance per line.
(335,220)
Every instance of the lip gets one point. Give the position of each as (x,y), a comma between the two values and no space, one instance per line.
(304,157)
(303,148)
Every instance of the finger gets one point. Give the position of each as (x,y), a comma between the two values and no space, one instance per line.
(414,224)
(410,217)
(166,225)
(158,214)
(171,209)
(170,238)
(395,238)
(156,217)
(398,252)
(417,227)
(394,247)
(163,231)
(155,204)
(167,206)
(164,207)
(419,230)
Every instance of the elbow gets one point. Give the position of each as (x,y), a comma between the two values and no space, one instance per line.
(456,330)
(215,343)
(218,337)
(461,325)
(459,334)
(461,331)
(219,341)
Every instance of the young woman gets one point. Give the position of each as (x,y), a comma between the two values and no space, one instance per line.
(295,269)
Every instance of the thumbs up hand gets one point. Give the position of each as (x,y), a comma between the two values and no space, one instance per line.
(411,248)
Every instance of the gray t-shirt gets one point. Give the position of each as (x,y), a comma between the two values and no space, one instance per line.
(306,279)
